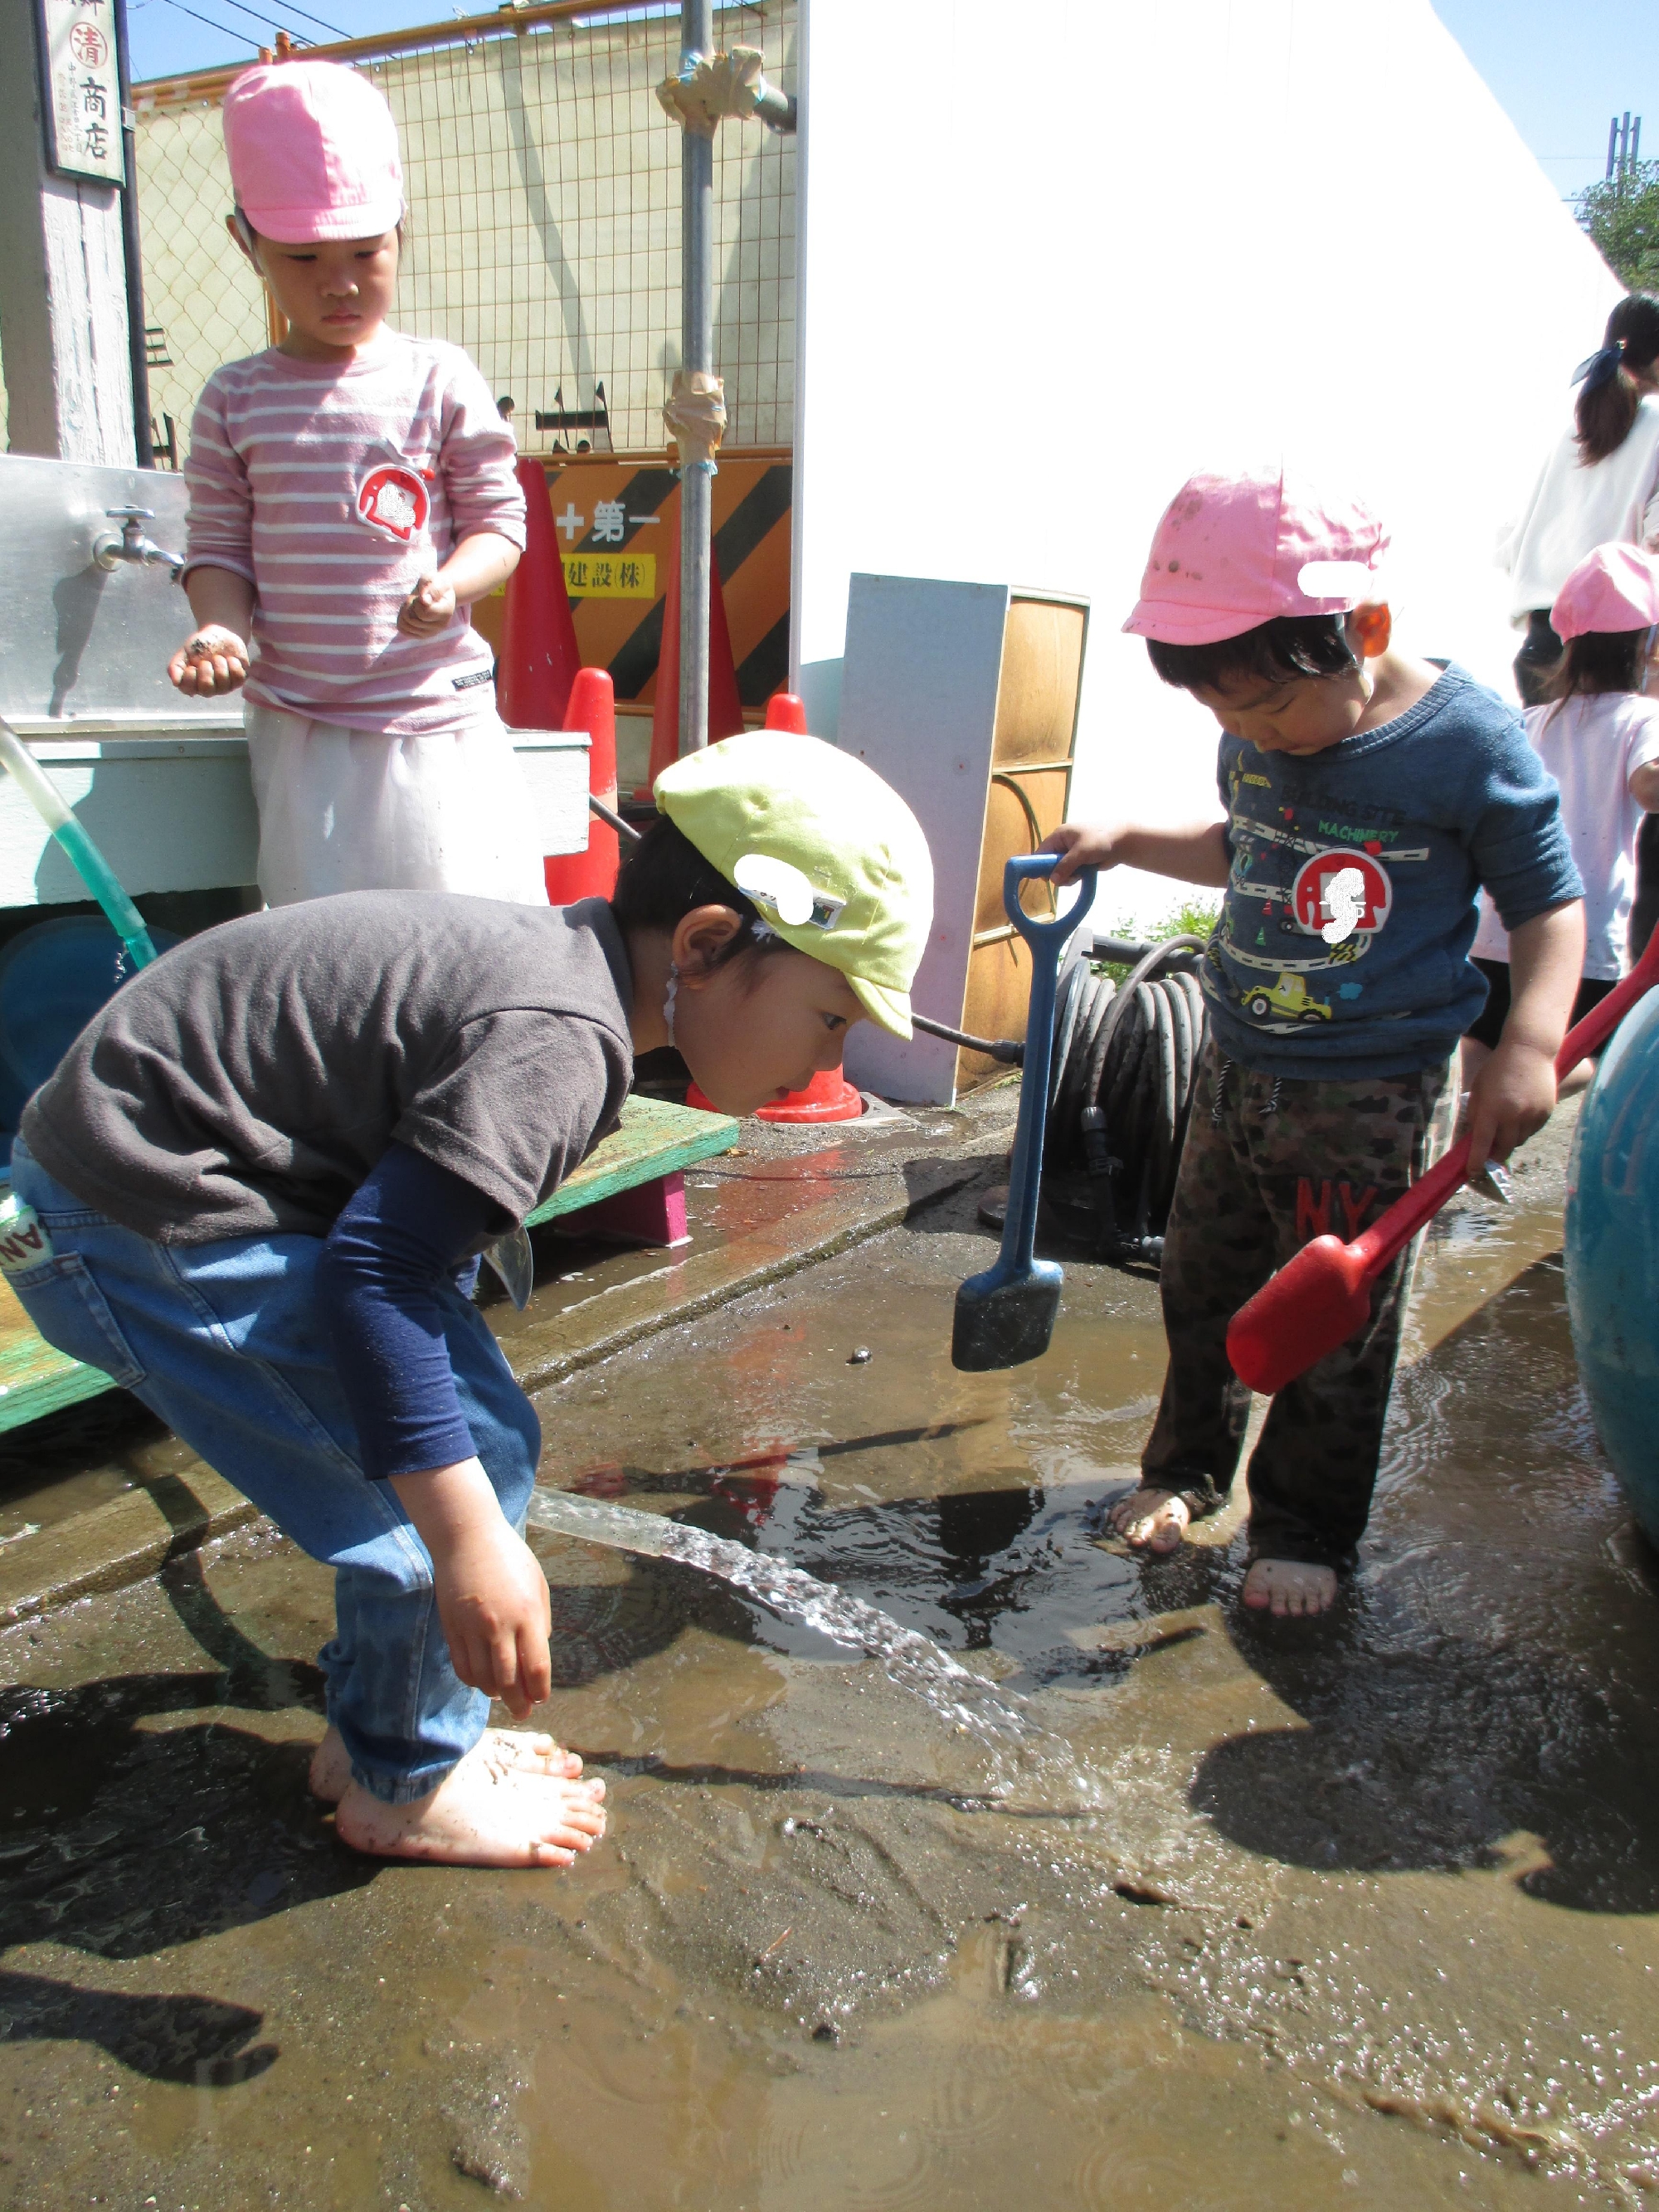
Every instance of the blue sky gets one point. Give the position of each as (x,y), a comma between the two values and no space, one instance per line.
(1560,67)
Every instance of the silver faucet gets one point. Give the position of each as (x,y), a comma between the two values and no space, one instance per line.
(109,550)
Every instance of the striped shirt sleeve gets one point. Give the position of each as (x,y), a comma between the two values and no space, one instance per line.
(221,524)
(476,457)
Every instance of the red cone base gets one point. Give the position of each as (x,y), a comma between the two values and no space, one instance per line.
(827,1097)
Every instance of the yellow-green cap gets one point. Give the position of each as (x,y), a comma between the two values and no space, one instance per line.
(769,809)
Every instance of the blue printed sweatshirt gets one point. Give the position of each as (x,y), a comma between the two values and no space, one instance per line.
(1385,842)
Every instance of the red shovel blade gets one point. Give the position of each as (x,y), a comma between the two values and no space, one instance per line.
(1323,1296)
(1316,1302)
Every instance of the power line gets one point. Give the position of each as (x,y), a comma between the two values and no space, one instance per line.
(333,29)
(266,23)
(223,29)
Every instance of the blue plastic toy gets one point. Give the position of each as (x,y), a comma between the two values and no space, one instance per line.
(1612,1256)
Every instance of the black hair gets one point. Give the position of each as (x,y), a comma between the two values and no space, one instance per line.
(664,878)
(1607,414)
(1275,651)
(1599,660)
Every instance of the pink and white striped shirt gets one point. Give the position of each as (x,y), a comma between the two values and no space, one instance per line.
(334,491)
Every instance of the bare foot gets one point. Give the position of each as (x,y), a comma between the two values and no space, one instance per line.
(1290,1587)
(330,1777)
(1150,1520)
(482,1813)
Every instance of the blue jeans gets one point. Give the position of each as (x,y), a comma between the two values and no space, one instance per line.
(225,1343)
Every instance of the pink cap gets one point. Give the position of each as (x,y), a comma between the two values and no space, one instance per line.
(313,153)
(1615,589)
(1234,551)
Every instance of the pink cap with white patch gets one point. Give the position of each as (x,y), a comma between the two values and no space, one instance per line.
(1233,552)
(1615,589)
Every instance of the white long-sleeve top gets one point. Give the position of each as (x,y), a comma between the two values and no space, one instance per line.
(1574,510)
(334,491)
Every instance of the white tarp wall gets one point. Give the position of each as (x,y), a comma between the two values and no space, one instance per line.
(1055,257)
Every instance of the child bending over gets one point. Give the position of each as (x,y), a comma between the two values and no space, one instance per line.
(1369,797)
(263,1173)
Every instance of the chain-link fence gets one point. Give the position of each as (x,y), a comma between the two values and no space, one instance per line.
(544,187)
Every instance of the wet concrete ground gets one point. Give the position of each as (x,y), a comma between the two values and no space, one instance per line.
(1366,1911)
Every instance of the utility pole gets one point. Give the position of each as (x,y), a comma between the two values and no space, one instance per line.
(710,88)
(697,353)
(1624,147)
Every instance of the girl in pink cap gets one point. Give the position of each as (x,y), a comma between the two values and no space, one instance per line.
(352,491)
(1366,799)
(1598,735)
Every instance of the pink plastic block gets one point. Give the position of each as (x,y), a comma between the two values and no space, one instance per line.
(650,1213)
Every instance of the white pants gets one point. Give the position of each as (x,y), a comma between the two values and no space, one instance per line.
(346,810)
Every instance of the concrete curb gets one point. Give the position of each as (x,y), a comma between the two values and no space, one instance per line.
(121,1543)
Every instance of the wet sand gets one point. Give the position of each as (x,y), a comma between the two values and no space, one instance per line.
(1365,1909)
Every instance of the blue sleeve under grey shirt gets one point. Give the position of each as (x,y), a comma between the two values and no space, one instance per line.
(1343,946)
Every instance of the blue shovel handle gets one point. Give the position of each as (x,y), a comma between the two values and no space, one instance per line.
(1048,940)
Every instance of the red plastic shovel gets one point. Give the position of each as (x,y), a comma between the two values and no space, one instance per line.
(1323,1297)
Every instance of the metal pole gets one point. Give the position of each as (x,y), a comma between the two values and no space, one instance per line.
(697,352)
(138,349)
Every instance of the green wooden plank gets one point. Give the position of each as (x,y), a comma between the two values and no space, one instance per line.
(31,1401)
(654,1138)
(36,1378)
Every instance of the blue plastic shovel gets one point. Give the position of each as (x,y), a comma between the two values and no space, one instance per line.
(1006,1315)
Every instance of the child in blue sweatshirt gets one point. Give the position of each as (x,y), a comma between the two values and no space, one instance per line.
(1369,798)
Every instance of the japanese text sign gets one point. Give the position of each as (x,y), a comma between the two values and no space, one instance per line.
(83,104)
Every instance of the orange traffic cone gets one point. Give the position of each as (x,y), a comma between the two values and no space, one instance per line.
(827,1097)
(539,656)
(592,874)
(786,710)
(724,708)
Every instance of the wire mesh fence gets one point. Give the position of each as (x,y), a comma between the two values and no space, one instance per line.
(543,188)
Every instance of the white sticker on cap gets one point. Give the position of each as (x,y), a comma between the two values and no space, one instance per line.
(1336,580)
(778,885)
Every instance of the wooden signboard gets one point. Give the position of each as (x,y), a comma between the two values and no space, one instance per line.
(83,89)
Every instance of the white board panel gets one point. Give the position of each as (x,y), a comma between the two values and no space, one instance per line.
(919,703)
(1095,246)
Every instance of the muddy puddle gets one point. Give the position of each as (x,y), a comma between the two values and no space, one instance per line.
(1360,1912)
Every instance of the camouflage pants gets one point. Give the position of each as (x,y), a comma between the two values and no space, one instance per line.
(1268,1164)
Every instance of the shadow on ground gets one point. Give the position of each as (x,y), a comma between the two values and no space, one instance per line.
(1504,1681)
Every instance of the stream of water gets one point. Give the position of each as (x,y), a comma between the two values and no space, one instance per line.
(965,1702)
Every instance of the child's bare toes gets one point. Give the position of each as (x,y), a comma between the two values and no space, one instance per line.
(1150,1520)
(483,1814)
(1290,1588)
(331,1765)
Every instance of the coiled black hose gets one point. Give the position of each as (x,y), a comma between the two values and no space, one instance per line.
(1126,1067)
